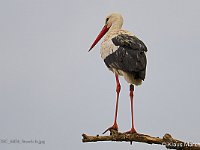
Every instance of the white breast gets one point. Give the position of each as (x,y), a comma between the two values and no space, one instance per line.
(107,48)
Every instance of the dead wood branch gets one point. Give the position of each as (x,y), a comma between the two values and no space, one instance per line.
(167,140)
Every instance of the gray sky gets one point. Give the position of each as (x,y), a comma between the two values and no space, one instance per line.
(52,89)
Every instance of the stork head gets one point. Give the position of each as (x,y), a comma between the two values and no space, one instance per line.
(113,22)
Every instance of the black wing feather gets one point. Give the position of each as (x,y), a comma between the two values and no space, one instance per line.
(129,57)
(133,42)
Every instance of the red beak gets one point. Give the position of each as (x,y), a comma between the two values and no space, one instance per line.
(101,34)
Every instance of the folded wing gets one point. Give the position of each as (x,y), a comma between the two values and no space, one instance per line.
(129,57)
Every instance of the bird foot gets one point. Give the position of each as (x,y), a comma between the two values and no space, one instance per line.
(132,131)
(112,129)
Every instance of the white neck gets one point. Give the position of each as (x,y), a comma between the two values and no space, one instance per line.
(116,26)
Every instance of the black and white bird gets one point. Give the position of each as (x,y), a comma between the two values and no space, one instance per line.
(124,54)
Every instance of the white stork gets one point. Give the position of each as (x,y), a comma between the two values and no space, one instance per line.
(124,54)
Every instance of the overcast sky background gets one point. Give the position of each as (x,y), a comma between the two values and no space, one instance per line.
(52,89)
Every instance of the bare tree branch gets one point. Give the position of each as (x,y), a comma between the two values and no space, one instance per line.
(167,140)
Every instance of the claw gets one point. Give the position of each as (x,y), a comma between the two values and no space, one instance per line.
(114,127)
(132,131)
(107,130)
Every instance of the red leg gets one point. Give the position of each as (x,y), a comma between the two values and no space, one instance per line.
(132,118)
(118,88)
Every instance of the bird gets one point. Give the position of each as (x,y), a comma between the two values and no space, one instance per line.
(125,55)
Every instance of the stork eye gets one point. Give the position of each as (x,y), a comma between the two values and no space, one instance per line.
(107,20)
